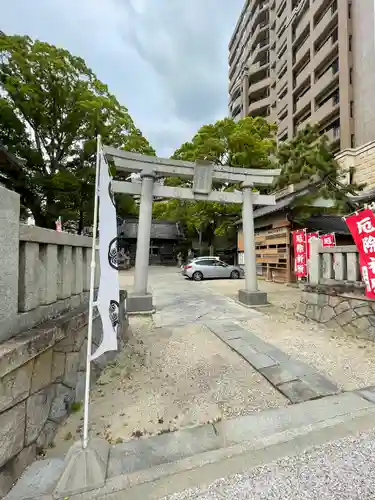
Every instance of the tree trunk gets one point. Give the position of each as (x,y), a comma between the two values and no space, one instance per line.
(200,241)
(80,222)
(39,218)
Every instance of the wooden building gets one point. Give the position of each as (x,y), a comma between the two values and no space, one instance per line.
(165,239)
(273,226)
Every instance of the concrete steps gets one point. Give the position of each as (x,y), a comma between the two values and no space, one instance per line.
(154,467)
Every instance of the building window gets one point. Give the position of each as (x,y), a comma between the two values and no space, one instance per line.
(351,76)
(350,43)
(350,10)
(351,109)
(352,141)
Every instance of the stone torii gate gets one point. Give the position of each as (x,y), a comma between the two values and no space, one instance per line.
(203,174)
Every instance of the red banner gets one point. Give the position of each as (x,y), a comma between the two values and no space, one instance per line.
(362,228)
(300,262)
(308,238)
(328,240)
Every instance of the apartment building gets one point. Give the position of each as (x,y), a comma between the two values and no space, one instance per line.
(306,61)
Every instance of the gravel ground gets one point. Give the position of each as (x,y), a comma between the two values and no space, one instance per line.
(166,379)
(350,362)
(341,470)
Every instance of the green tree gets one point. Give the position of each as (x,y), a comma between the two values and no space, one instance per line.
(309,157)
(248,143)
(51,109)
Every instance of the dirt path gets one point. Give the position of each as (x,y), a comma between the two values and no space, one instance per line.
(166,379)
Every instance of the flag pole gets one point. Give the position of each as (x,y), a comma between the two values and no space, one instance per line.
(91,301)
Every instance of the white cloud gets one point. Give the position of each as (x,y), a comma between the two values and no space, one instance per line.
(166,60)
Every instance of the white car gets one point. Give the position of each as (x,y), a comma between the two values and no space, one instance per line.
(211,267)
(200,258)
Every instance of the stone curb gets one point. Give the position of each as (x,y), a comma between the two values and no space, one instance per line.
(140,461)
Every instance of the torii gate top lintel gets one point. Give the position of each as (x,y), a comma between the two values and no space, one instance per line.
(202,173)
(126,161)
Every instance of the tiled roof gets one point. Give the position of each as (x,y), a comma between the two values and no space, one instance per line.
(327,224)
(162,230)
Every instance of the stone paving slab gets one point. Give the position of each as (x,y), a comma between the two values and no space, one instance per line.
(278,374)
(297,381)
(298,391)
(368,393)
(256,358)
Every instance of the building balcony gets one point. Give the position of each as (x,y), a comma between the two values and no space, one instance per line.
(260,28)
(260,47)
(282,127)
(238,116)
(302,125)
(329,19)
(300,29)
(302,49)
(234,84)
(259,104)
(333,134)
(281,85)
(255,18)
(237,102)
(280,62)
(325,52)
(327,79)
(263,6)
(258,66)
(303,102)
(326,111)
(303,75)
(282,105)
(280,21)
(265,82)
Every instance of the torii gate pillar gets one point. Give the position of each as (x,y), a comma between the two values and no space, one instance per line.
(203,175)
(140,300)
(250,296)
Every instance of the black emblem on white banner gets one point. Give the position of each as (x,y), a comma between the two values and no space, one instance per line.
(111,194)
(114,314)
(113,254)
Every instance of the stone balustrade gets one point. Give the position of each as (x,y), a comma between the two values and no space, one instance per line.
(334,266)
(335,295)
(43,273)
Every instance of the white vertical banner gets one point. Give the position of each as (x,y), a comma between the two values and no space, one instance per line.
(107,301)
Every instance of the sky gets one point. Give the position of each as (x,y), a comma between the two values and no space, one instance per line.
(165,60)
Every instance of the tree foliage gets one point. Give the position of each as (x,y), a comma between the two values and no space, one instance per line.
(249,143)
(309,157)
(51,109)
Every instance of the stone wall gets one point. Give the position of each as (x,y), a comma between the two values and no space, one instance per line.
(42,373)
(343,306)
(362,161)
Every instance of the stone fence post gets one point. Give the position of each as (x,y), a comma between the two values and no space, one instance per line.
(9,252)
(315,261)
